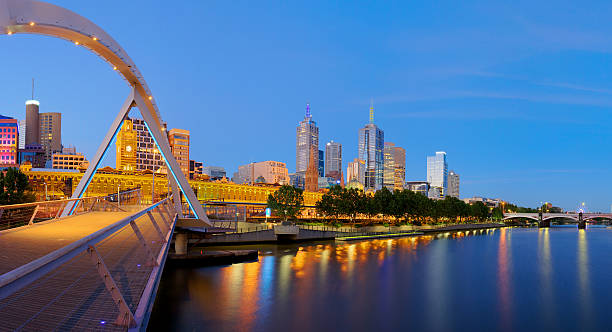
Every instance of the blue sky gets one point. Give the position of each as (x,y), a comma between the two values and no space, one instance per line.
(518,94)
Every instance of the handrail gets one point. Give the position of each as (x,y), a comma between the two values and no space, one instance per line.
(20,277)
(22,205)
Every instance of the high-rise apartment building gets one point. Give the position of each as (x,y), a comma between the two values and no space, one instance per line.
(321,165)
(453,184)
(148,157)
(9,141)
(271,171)
(50,133)
(32,133)
(196,168)
(333,160)
(307,138)
(355,172)
(179,143)
(395,166)
(125,158)
(437,173)
(371,146)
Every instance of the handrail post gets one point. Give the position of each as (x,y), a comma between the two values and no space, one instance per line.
(143,242)
(125,318)
(33,215)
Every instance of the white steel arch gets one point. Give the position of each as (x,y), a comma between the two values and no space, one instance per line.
(36,17)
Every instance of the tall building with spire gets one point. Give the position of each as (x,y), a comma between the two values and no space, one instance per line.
(371,147)
(307,139)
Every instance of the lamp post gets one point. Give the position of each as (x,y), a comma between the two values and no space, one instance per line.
(153,185)
(118,195)
(46,196)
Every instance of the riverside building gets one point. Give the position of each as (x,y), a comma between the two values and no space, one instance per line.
(333,160)
(371,146)
(437,175)
(9,141)
(453,184)
(307,139)
(395,166)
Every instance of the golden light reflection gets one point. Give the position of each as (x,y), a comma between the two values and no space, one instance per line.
(545,271)
(583,279)
(504,261)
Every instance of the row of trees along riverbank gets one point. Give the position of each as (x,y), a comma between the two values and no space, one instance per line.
(392,207)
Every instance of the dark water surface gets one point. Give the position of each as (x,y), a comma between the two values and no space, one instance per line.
(508,279)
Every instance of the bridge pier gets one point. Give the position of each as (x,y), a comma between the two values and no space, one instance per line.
(180,243)
(542,223)
(581,221)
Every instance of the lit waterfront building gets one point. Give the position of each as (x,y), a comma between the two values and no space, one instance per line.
(69,159)
(453,184)
(214,172)
(179,144)
(437,174)
(9,141)
(421,187)
(297,180)
(50,133)
(271,171)
(307,138)
(148,157)
(395,166)
(371,146)
(355,172)
(333,160)
(311,181)
(125,157)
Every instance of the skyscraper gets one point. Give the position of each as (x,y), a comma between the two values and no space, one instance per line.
(307,138)
(395,166)
(22,134)
(32,127)
(437,173)
(312,174)
(453,184)
(126,147)
(179,143)
(333,160)
(371,146)
(50,133)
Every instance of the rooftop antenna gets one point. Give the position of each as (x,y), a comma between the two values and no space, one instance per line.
(308,110)
(372,110)
(32,88)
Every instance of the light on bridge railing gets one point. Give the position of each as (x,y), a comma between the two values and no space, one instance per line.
(95,38)
(76,43)
(9,33)
(32,24)
(150,97)
(115,68)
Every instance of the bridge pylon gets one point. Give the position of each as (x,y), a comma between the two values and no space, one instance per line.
(581,221)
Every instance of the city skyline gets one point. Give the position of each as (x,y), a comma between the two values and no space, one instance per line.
(520,103)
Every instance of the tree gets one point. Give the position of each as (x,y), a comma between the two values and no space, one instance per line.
(287,201)
(479,210)
(382,202)
(330,202)
(14,187)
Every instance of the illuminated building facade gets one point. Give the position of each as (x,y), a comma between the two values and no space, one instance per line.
(395,166)
(179,143)
(355,172)
(69,159)
(50,133)
(61,184)
(437,174)
(453,184)
(371,146)
(196,168)
(32,127)
(9,141)
(273,172)
(333,160)
(125,157)
(148,156)
(307,138)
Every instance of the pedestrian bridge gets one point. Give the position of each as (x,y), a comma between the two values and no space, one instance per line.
(96,269)
(549,216)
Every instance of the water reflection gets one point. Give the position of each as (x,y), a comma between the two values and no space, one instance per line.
(435,282)
(504,262)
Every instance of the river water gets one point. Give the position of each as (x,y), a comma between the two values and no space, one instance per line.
(510,279)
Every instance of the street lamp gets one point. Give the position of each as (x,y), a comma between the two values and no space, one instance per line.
(46,196)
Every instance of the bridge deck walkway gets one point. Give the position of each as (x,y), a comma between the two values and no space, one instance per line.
(73,296)
(22,245)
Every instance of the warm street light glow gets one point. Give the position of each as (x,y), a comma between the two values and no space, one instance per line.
(76,43)
(10,33)
(115,68)
(95,38)
(32,24)
(150,97)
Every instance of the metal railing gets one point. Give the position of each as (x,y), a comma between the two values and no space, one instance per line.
(15,280)
(17,215)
